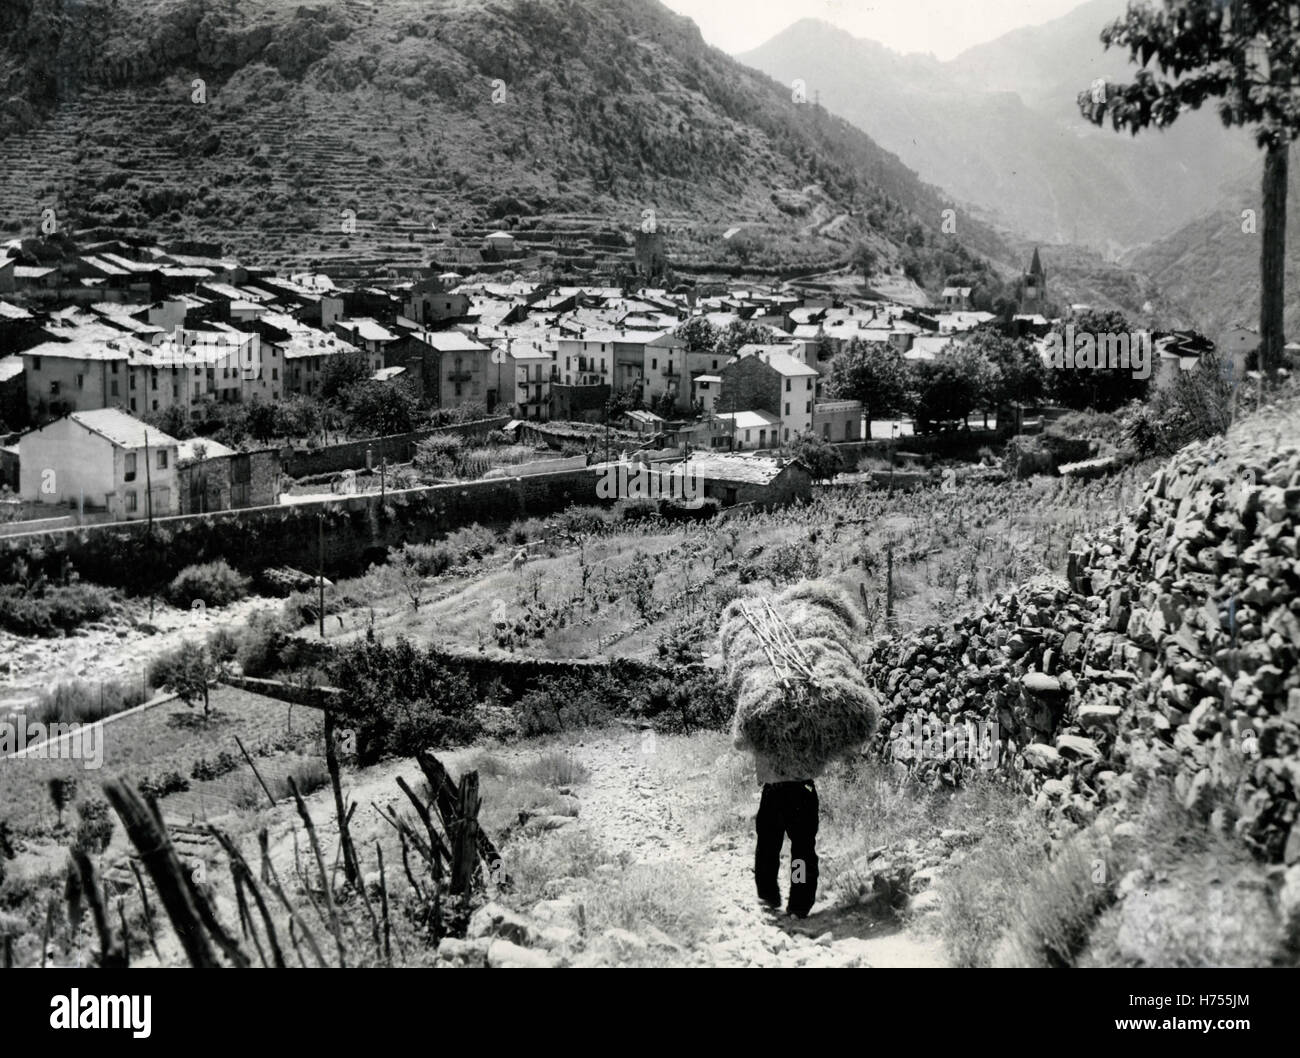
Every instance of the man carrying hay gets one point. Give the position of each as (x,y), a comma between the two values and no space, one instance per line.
(801,701)
(788,807)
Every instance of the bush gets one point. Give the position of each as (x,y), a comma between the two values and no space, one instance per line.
(259,642)
(472,542)
(1197,406)
(583,521)
(525,531)
(216,583)
(45,610)
(426,560)
(95,829)
(81,701)
(636,510)
(206,770)
(159,786)
(438,455)
(676,511)
(555,768)
(402,699)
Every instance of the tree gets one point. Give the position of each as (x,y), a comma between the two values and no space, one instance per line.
(699,335)
(1099,388)
(864,259)
(1241,52)
(259,420)
(620,401)
(742,332)
(379,409)
(405,568)
(171,421)
(820,456)
(873,373)
(186,671)
(1018,377)
(948,387)
(341,372)
(296,416)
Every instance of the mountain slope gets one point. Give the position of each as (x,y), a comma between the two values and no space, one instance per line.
(577,113)
(1210,267)
(997,127)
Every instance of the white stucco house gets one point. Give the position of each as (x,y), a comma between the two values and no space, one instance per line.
(100,459)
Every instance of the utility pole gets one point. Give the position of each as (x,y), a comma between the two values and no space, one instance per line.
(148,483)
(320,570)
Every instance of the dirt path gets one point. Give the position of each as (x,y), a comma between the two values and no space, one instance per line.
(644,806)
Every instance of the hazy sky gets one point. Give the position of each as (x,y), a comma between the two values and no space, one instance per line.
(944,27)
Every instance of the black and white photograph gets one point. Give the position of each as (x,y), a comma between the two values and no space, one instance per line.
(661,484)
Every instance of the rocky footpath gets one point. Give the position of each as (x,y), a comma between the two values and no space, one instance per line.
(1171,650)
(641,814)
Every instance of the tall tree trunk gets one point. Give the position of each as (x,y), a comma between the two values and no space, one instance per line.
(1272,259)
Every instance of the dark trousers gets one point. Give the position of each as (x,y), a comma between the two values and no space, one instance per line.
(787,808)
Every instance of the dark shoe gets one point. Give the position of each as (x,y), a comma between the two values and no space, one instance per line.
(772,900)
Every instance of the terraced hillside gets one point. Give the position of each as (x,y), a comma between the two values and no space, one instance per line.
(258,123)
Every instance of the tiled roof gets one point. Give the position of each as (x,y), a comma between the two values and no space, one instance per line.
(754,470)
(121,429)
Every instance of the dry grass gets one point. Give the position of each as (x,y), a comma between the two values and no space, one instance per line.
(664,896)
(554,767)
(536,859)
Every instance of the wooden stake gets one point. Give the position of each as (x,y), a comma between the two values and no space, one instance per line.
(320,865)
(159,857)
(258,775)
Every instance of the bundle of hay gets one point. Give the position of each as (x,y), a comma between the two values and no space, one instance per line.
(794,669)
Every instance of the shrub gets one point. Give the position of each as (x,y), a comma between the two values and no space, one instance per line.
(676,511)
(555,768)
(206,770)
(438,455)
(216,583)
(95,829)
(1197,406)
(81,701)
(636,510)
(426,560)
(472,542)
(259,642)
(45,610)
(522,532)
(159,786)
(559,703)
(583,521)
(402,699)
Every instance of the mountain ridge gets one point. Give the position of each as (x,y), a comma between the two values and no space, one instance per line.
(441,112)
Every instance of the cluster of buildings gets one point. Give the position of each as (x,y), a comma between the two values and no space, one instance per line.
(131,331)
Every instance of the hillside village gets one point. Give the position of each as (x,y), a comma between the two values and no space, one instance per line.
(159,336)
(507,468)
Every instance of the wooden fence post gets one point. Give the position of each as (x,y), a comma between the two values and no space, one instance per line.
(465,849)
